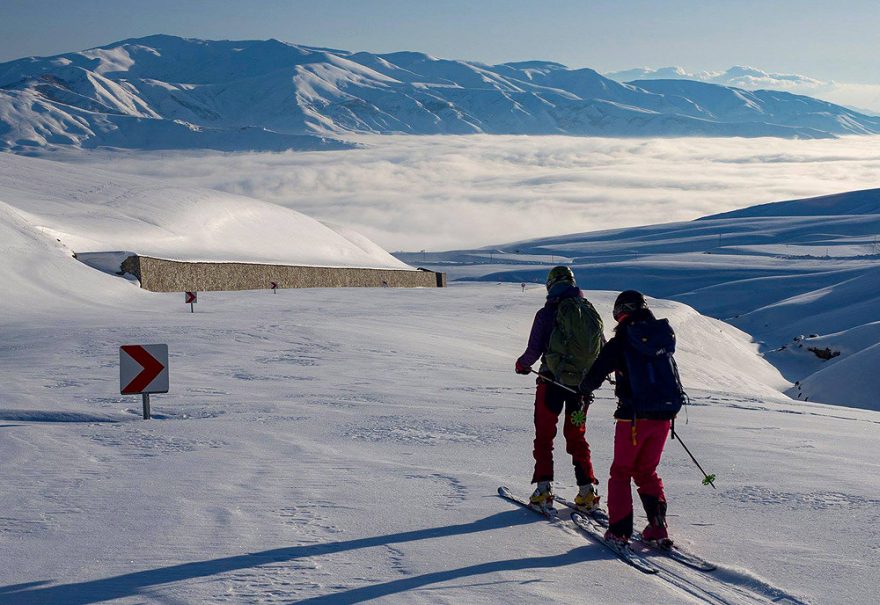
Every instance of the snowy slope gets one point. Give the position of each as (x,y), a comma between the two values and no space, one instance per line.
(91,211)
(344,445)
(335,446)
(805,269)
(164,92)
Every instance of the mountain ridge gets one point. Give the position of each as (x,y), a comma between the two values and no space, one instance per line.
(166,92)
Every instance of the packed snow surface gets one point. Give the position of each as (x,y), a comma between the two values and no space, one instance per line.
(165,92)
(345,445)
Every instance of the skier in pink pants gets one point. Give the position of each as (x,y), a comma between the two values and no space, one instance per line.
(649,396)
(637,450)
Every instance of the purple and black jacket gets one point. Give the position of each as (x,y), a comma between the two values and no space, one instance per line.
(542,327)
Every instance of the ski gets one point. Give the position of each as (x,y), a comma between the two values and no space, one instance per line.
(549,512)
(673,551)
(598,515)
(676,553)
(596,531)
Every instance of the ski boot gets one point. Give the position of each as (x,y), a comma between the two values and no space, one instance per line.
(657,534)
(587,500)
(616,539)
(655,531)
(542,497)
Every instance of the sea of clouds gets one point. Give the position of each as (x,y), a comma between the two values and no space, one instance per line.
(449,192)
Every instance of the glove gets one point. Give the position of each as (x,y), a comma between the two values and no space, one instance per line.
(586,400)
(522,369)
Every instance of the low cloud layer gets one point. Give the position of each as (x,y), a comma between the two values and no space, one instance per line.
(438,193)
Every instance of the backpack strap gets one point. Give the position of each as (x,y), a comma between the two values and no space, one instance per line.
(684,396)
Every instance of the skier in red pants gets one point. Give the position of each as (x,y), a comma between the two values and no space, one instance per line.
(567,336)
(649,396)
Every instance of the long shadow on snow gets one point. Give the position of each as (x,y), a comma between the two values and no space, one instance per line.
(374,591)
(53,416)
(127,585)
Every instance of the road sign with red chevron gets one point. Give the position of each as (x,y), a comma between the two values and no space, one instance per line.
(143,369)
(191,297)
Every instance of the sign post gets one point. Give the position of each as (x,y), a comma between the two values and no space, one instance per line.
(191,298)
(143,369)
(274,286)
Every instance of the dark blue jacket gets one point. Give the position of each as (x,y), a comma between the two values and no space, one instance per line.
(612,359)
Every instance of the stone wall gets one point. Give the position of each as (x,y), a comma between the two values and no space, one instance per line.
(159,275)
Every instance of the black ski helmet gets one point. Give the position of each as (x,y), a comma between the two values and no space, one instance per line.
(627,302)
(559,274)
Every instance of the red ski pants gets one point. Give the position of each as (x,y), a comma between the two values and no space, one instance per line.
(549,402)
(637,451)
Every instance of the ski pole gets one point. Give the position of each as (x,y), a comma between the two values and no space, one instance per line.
(559,384)
(578,417)
(707,479)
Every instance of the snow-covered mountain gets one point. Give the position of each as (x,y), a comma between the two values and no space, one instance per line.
(860,97)
(739,76)
(165,92)
(801,276)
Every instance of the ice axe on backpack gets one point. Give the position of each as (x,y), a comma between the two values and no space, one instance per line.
(578,417)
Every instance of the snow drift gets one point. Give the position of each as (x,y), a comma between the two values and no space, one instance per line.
(92,210)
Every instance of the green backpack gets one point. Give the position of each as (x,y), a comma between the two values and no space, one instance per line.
(575,342)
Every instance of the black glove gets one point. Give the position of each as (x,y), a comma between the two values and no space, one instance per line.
(586,401)
(522,369)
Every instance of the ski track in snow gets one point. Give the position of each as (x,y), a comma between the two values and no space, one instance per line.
(724,586)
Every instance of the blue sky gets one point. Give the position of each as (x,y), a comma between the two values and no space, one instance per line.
(824,40)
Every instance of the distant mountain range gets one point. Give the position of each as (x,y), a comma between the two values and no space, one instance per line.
(738,76)
(165,92)
(862,98)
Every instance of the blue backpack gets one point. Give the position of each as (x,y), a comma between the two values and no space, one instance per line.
(652,372)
